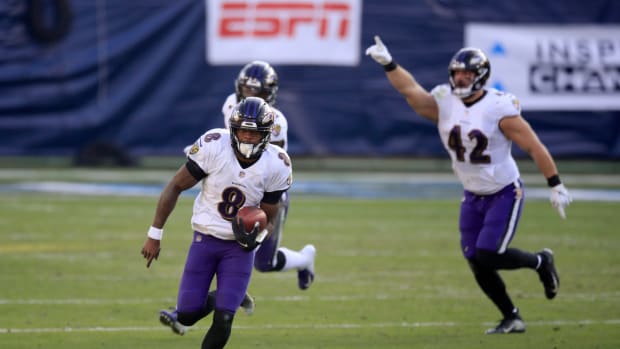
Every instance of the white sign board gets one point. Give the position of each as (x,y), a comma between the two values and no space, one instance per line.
(553,67)
(319,32)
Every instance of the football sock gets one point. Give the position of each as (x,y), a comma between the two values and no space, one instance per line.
(539,263)
(493,286)
(189,319)
(511,259)
(293,259)
(219,332)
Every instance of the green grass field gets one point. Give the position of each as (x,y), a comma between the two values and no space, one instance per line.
(389,275)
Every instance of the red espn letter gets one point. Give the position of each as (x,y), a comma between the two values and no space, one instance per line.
(294,21)
(271,23)
(338,7)
(227,27)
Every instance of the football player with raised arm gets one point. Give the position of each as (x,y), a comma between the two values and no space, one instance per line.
(477,126)
(236,168)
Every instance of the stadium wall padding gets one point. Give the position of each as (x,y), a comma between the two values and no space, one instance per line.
(133,74)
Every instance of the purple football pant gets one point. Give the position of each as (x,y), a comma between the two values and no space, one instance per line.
(266,255)
(489,222)
(208,257)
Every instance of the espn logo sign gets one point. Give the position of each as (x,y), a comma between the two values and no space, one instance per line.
(270,19)
(323,32)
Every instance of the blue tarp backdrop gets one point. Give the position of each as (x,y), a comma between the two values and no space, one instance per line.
(133,74)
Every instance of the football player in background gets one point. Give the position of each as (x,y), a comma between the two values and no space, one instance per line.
(477,126)
(236,168)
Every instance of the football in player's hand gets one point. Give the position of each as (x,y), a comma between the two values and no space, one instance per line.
(250,215)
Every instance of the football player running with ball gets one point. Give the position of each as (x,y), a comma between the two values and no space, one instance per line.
(259,79)
(477,126)
(235,168)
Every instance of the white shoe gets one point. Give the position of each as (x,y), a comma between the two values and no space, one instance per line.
(248,304)
(510,325)
(169,318)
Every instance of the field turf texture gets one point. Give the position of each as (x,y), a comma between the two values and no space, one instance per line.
(389,275)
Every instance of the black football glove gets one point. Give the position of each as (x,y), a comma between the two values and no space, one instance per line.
(248,240)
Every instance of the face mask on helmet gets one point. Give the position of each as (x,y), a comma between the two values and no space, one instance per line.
(252,114)
(259,79)
(469,59)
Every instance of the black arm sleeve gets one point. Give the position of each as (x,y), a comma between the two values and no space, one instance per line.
(195,170)
(272,197)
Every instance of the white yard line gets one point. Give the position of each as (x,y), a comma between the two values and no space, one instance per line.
(584,322)
(331,298)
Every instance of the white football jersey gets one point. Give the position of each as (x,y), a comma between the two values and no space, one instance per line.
(227,186)
(481,154)
(280,124)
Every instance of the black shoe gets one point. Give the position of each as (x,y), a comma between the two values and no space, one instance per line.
(513,324)
(547,274)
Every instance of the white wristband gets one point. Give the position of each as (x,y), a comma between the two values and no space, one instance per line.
(261,236)
(155,233)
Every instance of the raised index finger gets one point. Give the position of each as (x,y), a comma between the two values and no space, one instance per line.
(378,41)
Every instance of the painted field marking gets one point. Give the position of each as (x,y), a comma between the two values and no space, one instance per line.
(613,322)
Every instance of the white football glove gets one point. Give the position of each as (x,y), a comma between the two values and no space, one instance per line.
(379,52)
(560,198)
